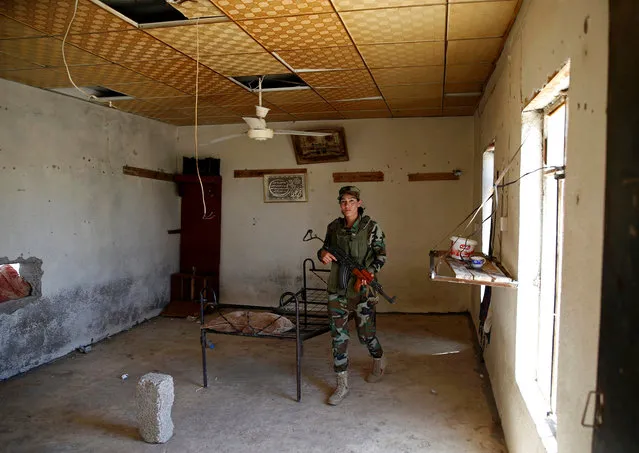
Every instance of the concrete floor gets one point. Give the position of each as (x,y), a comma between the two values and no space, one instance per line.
(436,399)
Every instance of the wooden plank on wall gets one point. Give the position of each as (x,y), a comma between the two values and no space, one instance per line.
(412,177)
(144,173)
(358,176)
(260,173)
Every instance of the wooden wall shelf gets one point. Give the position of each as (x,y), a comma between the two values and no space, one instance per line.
(358,176)
(270,171)
(491,274)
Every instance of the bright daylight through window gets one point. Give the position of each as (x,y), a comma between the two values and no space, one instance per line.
(542,169)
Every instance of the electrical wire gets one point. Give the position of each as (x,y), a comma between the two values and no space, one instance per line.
(526,174)
(210,215)
(64,57)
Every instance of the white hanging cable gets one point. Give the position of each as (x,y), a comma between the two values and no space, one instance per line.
(210,215)
(64,58)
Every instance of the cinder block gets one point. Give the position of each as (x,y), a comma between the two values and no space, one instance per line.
(154,400)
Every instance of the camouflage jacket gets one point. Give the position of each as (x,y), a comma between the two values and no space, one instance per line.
(364,242)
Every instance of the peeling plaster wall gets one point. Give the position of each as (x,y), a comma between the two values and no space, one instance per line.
(262,248)
(546,34)
(102,236)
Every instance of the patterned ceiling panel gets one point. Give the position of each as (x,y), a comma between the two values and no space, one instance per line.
(298,32)
(237,98)
(480,19)
(103,75)
(208,110)
(323,58)
(473,51)
(291,96)
(338,79)
(9,62)
(146,90)
(13,29)
(400,104)
(255,9)
(373,104)
(177,72)
(53,16)
(352,5)
(180,102)
(307,107)
(197,8)
(249,110)
(275,117)
(404,54)
(428,91)
(416,112)
(134,45)
(219,120)
(409,76)
(47,52)
(407,53)
(463,88)
(35,77)
(366,114)
(214,39)
(419,23)
(468,73)
(318,116)
(244,64)
(354,92)
(210,82)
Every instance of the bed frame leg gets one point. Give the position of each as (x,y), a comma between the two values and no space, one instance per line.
(203,341)
(299,369)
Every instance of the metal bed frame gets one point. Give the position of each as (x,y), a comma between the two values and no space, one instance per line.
(306,308)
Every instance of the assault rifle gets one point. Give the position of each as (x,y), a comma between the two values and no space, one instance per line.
(348,266)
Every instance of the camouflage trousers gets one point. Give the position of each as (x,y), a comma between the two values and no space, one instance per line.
(340,309)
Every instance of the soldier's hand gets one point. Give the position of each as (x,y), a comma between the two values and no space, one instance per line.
(327,257)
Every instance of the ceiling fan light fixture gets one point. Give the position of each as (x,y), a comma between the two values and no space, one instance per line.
(260,134)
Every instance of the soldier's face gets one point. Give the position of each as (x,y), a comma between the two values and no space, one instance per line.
(349,204)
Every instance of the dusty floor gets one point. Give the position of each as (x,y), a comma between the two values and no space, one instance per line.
(435,399)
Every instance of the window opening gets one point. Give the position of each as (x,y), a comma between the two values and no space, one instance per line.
(12,284)
(487,182)
(541,220)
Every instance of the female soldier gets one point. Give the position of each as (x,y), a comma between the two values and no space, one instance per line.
(363,239)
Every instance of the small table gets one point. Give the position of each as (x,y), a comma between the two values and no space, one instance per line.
(492,272)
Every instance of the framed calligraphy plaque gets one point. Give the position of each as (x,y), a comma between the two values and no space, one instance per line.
(284,187)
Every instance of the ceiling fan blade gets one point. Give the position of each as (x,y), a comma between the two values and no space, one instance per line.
(255,123)
(308,133)
(223,139)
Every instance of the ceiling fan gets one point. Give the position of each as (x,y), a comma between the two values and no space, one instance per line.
(257,125)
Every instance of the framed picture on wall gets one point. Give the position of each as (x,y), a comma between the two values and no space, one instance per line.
(284,187)
(313,150)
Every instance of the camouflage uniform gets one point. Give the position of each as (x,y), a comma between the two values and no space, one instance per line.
(364,242)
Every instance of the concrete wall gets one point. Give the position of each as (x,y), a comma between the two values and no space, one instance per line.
(546,34)
(262,248)
(102,236)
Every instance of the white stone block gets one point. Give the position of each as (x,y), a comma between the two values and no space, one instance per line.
(154,400)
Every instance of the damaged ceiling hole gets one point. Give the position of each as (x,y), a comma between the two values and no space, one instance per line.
(272,82)
(146,11)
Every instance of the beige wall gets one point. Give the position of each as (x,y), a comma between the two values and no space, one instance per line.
(546,34)
(262,248)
